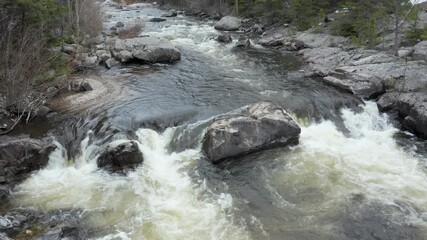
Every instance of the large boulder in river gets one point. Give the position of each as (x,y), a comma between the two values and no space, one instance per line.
(121,156)
(228,23)
(411,108)
(146,49)
(19,156)
(260,126)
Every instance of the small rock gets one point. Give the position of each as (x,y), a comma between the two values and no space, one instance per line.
(243,43)
(225,38)
(119,25)
(80,86)
(110,63)
(170,14)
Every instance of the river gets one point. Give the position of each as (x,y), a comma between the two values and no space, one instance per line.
(352,176)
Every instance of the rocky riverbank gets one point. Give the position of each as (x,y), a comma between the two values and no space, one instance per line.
(398,83)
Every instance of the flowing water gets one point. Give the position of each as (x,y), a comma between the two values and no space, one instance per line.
(352,176)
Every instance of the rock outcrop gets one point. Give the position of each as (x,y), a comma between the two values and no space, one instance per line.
(146,49)
(411,108)
(122,156)
(19,156)
(228,23)
(259,126)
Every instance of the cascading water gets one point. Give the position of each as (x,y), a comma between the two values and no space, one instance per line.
(347,179)
(309,187)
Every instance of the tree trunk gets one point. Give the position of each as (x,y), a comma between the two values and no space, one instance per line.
(77,8)
(237,7)
(396,32)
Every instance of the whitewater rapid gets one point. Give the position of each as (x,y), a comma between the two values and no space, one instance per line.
(160,200)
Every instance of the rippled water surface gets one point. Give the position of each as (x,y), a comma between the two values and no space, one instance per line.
(353,175)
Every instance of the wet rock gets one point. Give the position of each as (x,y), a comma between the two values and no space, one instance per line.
(228,23)
(225,38)
(259,126)
(147,49)
(120,156)
(362,85)
(19,156)
(420,51)
(119,24)
(157,20)
(412,109)
(110,63)
(243,43)
(80,86)
(170,14)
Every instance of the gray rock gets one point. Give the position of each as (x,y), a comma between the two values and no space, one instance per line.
(170,14)
(110,63)
(43,111)
(80,86)
(225,38)
(260,126)
(70,49)
(119,24)
(243,43)
(147,49)
(420,51)
(119,157)
(103,55)
(293,45)
(362,85)
(157,20)
(228,23)
(412,109)
(405,52)
(271,41)
(19,156)
(90,61)
(317,40)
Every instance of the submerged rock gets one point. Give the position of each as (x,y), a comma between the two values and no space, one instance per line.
(411,107)
(119,157)
(260,126)
(19,156)
(147,49)
(228,23)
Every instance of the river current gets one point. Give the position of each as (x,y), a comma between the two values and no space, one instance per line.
(352,176)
